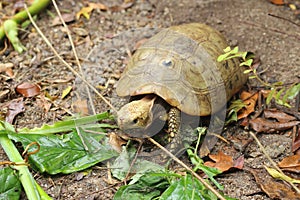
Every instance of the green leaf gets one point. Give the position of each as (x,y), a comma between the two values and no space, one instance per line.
(227,49)
(278,94)
(275,174)
(223,57)
(270,96)
(233,109)
(247,71)
(67,125)
(148,187)
(122,165)
(292,92)
(10,187)
(247,63)
(235,50)
(66,92)
(60,155)
(187,188)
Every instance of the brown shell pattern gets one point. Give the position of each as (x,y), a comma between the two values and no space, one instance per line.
(180,65)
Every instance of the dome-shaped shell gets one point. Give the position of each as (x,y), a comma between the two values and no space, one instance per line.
(180,65)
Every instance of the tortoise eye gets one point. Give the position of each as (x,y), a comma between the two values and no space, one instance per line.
(167,63)
(135,121)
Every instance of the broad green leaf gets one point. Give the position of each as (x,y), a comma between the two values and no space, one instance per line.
(187,188)
(10,187)
(122,165)
(148,187)
(61,155)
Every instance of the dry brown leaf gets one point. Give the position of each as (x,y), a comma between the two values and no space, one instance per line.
(278,115)
(221,161)
(267,126)
(43,103)
(239,162)
(15,107)
(291,163)
(81,106)
(296,142)
(126,4)
(67,17)
(28,89)
(116,142)
(86,11)
(274,189)
(7,68)
(277,2)
(249,100)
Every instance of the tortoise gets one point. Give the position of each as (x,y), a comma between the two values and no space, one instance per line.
(176,72)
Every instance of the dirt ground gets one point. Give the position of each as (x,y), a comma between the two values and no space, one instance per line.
(101,43)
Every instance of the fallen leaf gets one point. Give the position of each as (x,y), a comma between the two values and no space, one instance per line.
(3,93)
(278,115)
(15,107)
(43,103)
(81,106)
(116,142)
(80,31)
(267,126)
(277,2)
(296,142)
(67,17)
(291,163)
(28,89)
(275,174)
(86,11)
(239,162)
(249,100)
(223,162)
(274,189)
(126,4)
(7,68)
(66,92)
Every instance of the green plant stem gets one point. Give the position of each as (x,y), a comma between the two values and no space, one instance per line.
(25,176)
(20,17)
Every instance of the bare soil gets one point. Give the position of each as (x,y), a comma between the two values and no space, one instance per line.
(101,43)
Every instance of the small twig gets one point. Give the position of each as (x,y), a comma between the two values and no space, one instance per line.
(272,29)
(132,162)
(285,19)
(65,63)
(270,160)
(188,169)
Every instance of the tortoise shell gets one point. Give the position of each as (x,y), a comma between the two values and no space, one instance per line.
(179,64)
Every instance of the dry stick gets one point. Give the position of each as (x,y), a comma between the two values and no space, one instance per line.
(75,53)
(66,64)
(270,160)
(188,169)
